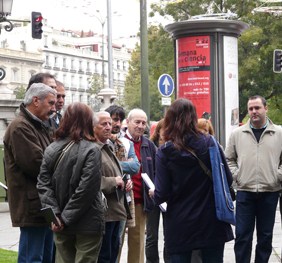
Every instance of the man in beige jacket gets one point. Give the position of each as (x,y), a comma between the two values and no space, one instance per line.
(254,156)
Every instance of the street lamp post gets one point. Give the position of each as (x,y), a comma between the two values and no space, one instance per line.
(5,10)
(145,98)
(102,22)
(107,94)
(110,48)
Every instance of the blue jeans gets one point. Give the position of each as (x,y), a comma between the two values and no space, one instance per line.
(36,245)
(209,255)
(254,209)
(110,246)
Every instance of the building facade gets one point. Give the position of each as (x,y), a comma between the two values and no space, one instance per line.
(73,59)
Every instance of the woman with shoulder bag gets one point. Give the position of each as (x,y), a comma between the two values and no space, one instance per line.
(190,220)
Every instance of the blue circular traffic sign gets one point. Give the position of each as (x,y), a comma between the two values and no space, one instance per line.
(166,85)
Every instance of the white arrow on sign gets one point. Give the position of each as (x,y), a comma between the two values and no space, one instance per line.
(166,84)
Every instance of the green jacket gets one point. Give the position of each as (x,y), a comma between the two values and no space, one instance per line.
(24,143)
(256,166)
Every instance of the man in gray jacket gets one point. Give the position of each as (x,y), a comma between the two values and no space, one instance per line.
(254,156)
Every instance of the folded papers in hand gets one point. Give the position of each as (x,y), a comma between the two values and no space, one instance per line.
(151,185)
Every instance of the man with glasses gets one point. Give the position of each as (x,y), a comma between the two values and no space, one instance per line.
(254,156)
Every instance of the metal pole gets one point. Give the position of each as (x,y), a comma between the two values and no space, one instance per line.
(110,46)
(145,99)
(103,56)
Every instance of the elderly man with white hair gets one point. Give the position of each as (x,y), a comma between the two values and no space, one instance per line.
(145,151)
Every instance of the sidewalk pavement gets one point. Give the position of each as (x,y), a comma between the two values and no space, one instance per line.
(9,238)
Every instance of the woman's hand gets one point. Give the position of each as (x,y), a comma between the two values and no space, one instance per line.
(151,193)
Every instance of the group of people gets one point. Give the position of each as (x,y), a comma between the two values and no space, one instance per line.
(88,170)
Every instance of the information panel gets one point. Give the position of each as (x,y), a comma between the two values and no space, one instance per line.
(231,84)
(194,72)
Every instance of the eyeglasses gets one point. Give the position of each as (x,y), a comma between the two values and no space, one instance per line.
(61,96)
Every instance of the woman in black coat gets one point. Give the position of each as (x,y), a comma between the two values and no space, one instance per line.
(190,221)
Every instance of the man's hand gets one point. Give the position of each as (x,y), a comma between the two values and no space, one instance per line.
(120,182)
(129,185)
(57,228)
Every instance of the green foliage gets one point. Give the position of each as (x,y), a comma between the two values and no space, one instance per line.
(256,45)
(20,92)
(96,84)
(275,110)
(180,10)
(7,256)
(161,60)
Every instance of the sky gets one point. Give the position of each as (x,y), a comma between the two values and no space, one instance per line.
(82,14)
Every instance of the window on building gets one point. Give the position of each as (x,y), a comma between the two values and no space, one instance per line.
(118,64)
(15,74)
(55,61)
(45,41)
(72,80)
(124,65)
(72,64)
(64,63)
(47,60)
(88,66)
(80,65)
(4,43)
(96,67)
(64,79)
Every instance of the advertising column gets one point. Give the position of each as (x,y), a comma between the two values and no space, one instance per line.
(206,56)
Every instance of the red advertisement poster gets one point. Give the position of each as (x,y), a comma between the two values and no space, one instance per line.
(193,67)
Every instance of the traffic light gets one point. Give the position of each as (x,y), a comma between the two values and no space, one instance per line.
(36,25)
(277,61)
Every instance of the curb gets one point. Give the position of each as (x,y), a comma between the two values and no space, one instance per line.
(4,207)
